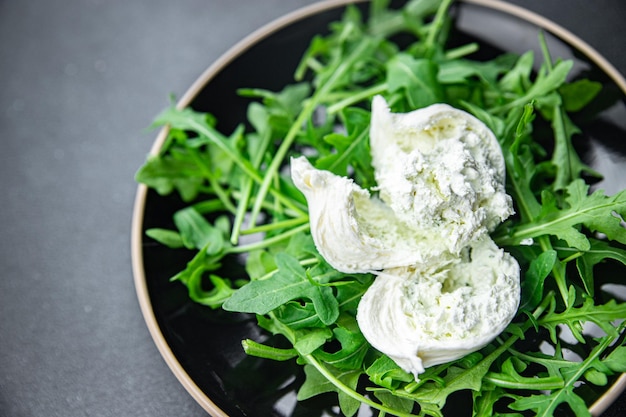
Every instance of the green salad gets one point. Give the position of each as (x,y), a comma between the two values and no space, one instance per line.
(241,204)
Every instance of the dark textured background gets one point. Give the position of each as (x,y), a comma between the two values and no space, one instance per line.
(79,82)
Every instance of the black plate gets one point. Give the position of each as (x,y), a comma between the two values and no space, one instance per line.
(202,346)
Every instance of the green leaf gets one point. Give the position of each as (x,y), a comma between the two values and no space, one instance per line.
(316,383)
(532,285)
(352,149)
(544,405)
(517,80)
(309,340)
(599,251)
(171,172)
(214,297)
(394,402)
(298,316)
(568,164)
(545,83)
(510,378)
(602,315)
(166,237)
(386,373)
(352,352)
(596,377)
(348,296)
(259,263)
(597,212)
(616,360)
(417,78)
(289,283)
(578,94)
(196,232)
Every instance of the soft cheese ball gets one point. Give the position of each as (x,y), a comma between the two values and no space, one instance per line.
(427,315)
(441,170)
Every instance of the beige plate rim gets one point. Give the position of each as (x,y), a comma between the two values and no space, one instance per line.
(140,199)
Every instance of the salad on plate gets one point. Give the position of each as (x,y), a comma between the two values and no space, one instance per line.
(413,223)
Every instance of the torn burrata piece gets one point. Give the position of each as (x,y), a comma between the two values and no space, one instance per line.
(426,315)
(353,231)
(440,170)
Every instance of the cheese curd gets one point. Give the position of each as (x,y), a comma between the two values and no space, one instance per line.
(444,289)
(353,231)
(426,315)
(440,170)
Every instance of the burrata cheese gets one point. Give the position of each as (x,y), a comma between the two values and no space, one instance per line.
(443,288)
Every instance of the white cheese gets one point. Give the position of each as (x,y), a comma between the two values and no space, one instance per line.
(433,314)
(354,232)
(444,289)
(440,170)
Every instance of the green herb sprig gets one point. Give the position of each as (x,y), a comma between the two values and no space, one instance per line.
(235,186)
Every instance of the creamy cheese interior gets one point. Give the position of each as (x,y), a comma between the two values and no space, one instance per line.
(440,170)
(426,315)
(353,231)
(443,289)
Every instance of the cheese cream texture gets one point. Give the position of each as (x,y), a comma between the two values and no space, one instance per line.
(443,288)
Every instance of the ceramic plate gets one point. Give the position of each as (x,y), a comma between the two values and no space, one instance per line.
(202,346)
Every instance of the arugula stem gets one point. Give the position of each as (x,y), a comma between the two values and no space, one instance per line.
(436,26)
(573,257)
(294,210)
(269,241)
(209,206)
(246,188)
(240,213)
(544,383)
(241,162)
(263,351)
(547,57)
(275,226)
(461,51)
(357,97)
(350,392)
(278,159)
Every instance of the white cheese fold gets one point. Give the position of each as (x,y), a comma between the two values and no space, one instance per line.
(353,231)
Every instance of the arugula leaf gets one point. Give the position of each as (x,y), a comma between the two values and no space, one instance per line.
(167,173)
(598,252)
(197,233)
(167,237)
(602,315)
(415,78)
(595,211)
(533,283)
(353,349)
(352,148)
(316,384)
(576,95)
(289,283)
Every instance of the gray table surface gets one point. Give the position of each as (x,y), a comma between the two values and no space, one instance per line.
(80,80)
